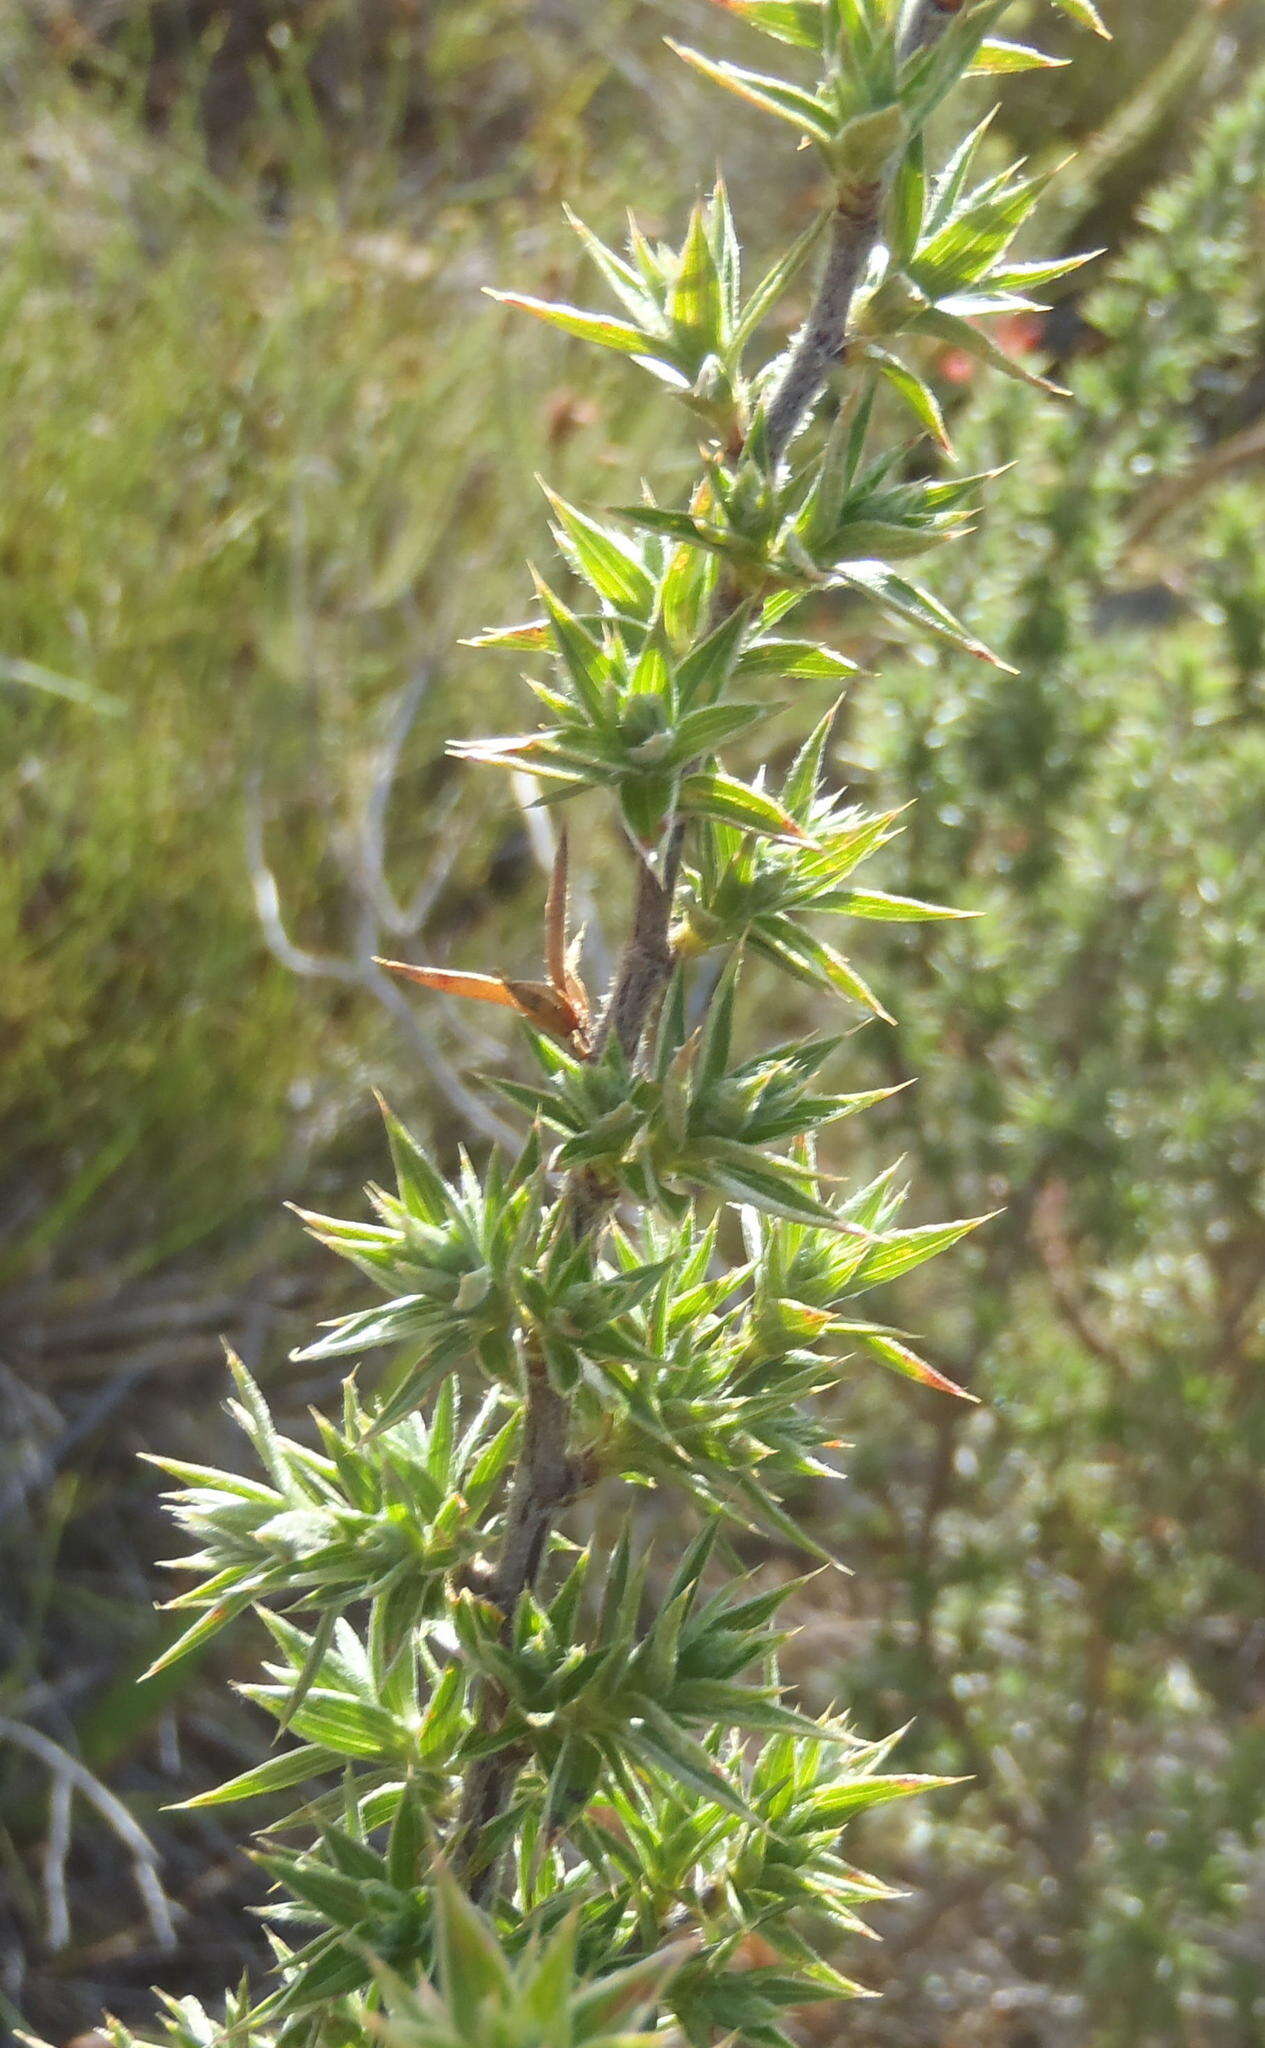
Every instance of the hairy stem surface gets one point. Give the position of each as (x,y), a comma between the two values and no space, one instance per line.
(854,232)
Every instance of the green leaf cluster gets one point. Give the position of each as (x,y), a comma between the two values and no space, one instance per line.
(695,1120)
(758,892)
(383,1510)
(483,2000)
(687,321)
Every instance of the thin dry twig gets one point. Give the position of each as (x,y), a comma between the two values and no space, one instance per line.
(56,1857)
(69,1776)
(377,912)
(369,861)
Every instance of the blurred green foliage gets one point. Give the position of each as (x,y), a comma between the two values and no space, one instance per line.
(249,394)
(1082,1564)
(246,439)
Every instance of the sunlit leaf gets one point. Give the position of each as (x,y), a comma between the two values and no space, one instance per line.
(772,95)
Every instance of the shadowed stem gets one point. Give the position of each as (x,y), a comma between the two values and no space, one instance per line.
(646,962)
(927,20)
(547,1477)
(545,1480)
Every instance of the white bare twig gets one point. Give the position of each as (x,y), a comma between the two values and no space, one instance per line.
(69,1776)
(377,912)
(368,867)
(56,1856)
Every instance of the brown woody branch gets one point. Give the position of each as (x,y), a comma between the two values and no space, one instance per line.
(546,1478)
(647,957)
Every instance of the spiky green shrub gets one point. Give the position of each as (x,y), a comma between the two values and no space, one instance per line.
(548,1788)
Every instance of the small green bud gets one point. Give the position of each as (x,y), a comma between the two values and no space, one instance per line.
(863,150)
(642,722)
(888,307)
(715,394)
(650,752)
(474,1290)
(713,385)
(698,932)
(749,503)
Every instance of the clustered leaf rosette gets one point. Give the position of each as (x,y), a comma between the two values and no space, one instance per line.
(483,1999)
(634,1718)
(388,1710)
(694,1123)
(449,1256)
(947,266)
(503,1274)
(640,690)
(806,1279)
(687,322)
(637,1692)
(944,266)
(660,1791)
(382,1510)
(839,531)
(681,1373)
(637,689)
(731,1403)
(742,889)
(750,1882)
(871,70)
(478,1996)
(737,1845)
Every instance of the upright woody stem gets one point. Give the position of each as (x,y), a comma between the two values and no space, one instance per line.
(546,1479)
(854,231)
